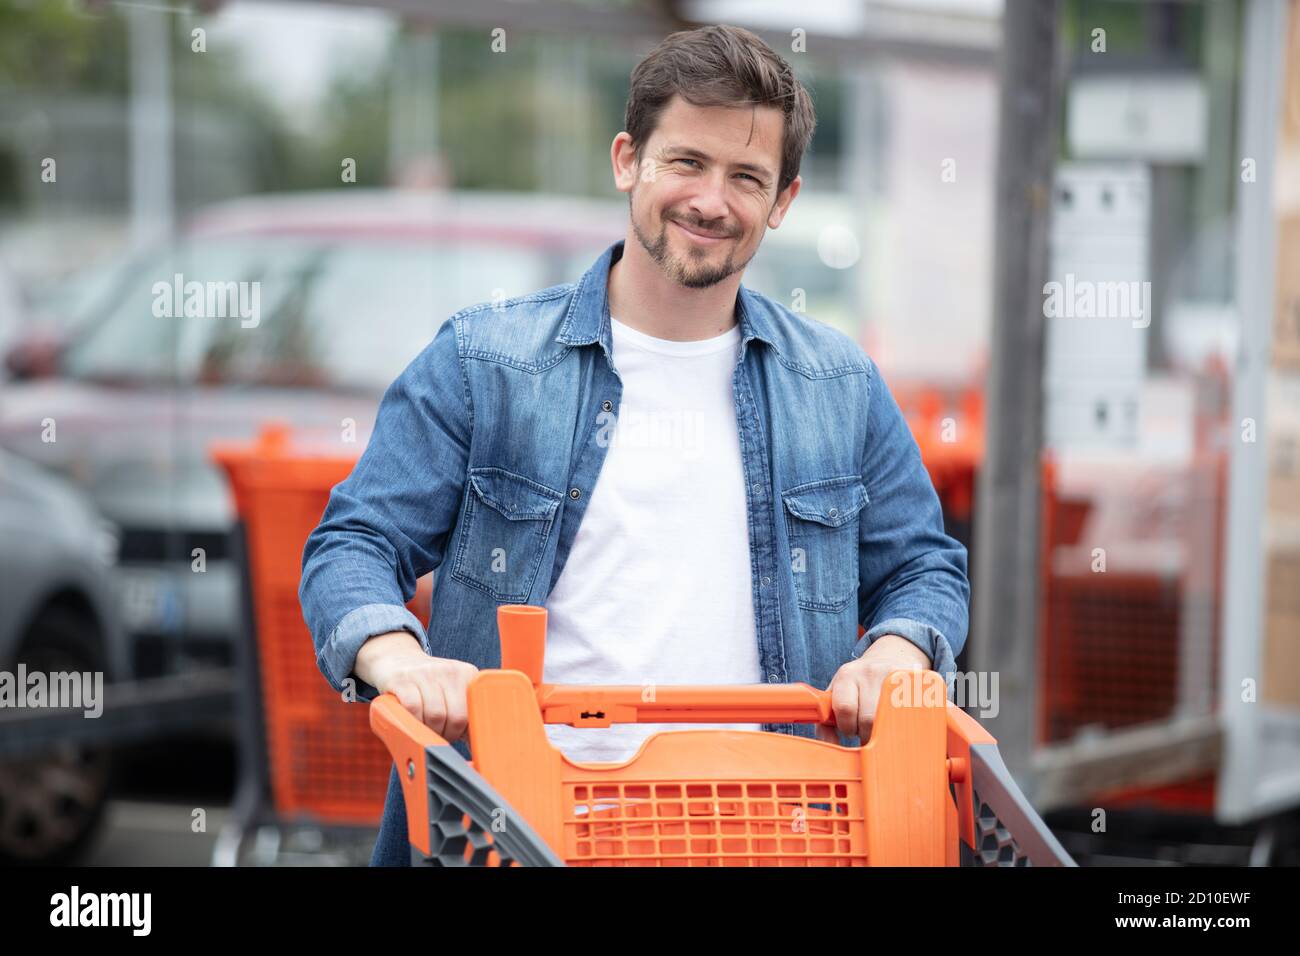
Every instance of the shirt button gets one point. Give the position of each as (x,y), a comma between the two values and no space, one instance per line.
(757,488)
(766,581)
(574,493)
(773,679)
(833,512)
(606,405)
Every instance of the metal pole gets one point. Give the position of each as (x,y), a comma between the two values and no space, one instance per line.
(1006,572)
(150,103)
(1244,787)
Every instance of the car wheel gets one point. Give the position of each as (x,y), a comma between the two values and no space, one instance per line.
(51,804)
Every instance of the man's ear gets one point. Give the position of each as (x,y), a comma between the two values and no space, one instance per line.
(622,157)
(783,201)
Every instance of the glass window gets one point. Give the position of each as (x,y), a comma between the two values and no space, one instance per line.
(295,311)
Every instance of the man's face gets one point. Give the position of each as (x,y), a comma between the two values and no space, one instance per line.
(705,189)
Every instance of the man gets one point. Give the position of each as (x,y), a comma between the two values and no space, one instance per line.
(701,486)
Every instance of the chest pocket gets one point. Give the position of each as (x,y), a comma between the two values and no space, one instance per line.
(822,523)
(503,533)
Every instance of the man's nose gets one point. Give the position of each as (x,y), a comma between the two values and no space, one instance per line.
(709,203)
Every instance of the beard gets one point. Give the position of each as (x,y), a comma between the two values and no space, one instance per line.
(692,272)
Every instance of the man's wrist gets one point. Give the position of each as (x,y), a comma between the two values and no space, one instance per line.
(378,647)
(897,645)
(337,654)
(924,636)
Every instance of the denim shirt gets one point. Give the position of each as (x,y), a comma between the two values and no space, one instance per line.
(489,440)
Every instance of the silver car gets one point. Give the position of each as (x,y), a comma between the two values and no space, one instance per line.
(57,614)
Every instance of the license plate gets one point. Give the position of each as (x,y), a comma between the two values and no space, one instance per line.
(150,601)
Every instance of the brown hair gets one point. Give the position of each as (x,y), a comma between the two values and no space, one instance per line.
(720,66)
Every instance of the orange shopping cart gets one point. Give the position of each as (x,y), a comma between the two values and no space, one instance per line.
(307,757)
(927,789)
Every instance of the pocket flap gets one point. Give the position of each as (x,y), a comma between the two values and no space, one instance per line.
(516,497)
(831,502)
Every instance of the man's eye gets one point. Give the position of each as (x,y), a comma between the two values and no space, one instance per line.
(753,179)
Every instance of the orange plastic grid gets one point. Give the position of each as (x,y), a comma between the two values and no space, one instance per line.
(739,823)
(325,763)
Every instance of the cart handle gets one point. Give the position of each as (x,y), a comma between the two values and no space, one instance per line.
(599,706)
(522,629)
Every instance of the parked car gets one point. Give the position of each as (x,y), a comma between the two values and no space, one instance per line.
(57,614)
(350,286)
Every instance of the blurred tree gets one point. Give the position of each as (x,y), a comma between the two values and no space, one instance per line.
(505,120)
(354,125)
(60,47)
(66,64)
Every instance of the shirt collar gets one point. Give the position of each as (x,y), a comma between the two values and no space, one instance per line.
(588,317)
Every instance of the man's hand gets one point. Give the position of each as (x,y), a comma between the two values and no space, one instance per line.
(855,688)
(434,689)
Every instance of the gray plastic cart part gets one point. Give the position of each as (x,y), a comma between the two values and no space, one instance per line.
(1008,831)
(457,790)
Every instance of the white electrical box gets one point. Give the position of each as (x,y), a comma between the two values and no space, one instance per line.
(1097,305)
(1155,117)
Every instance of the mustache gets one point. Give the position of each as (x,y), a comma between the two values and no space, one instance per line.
(699,228)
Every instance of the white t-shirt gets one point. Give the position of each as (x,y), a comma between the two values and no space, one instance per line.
(657,588)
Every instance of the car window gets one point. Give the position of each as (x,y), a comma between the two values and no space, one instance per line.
(375,306)
(120,338)
(300,311)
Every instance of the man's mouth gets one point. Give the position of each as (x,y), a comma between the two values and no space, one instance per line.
(699,235)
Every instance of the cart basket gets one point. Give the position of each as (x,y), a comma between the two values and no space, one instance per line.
(927,789)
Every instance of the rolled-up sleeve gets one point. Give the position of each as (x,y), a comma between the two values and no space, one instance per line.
(912,575)
(387,524)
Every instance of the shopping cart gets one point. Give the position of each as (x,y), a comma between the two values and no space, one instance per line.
(927,782)
(310,770)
